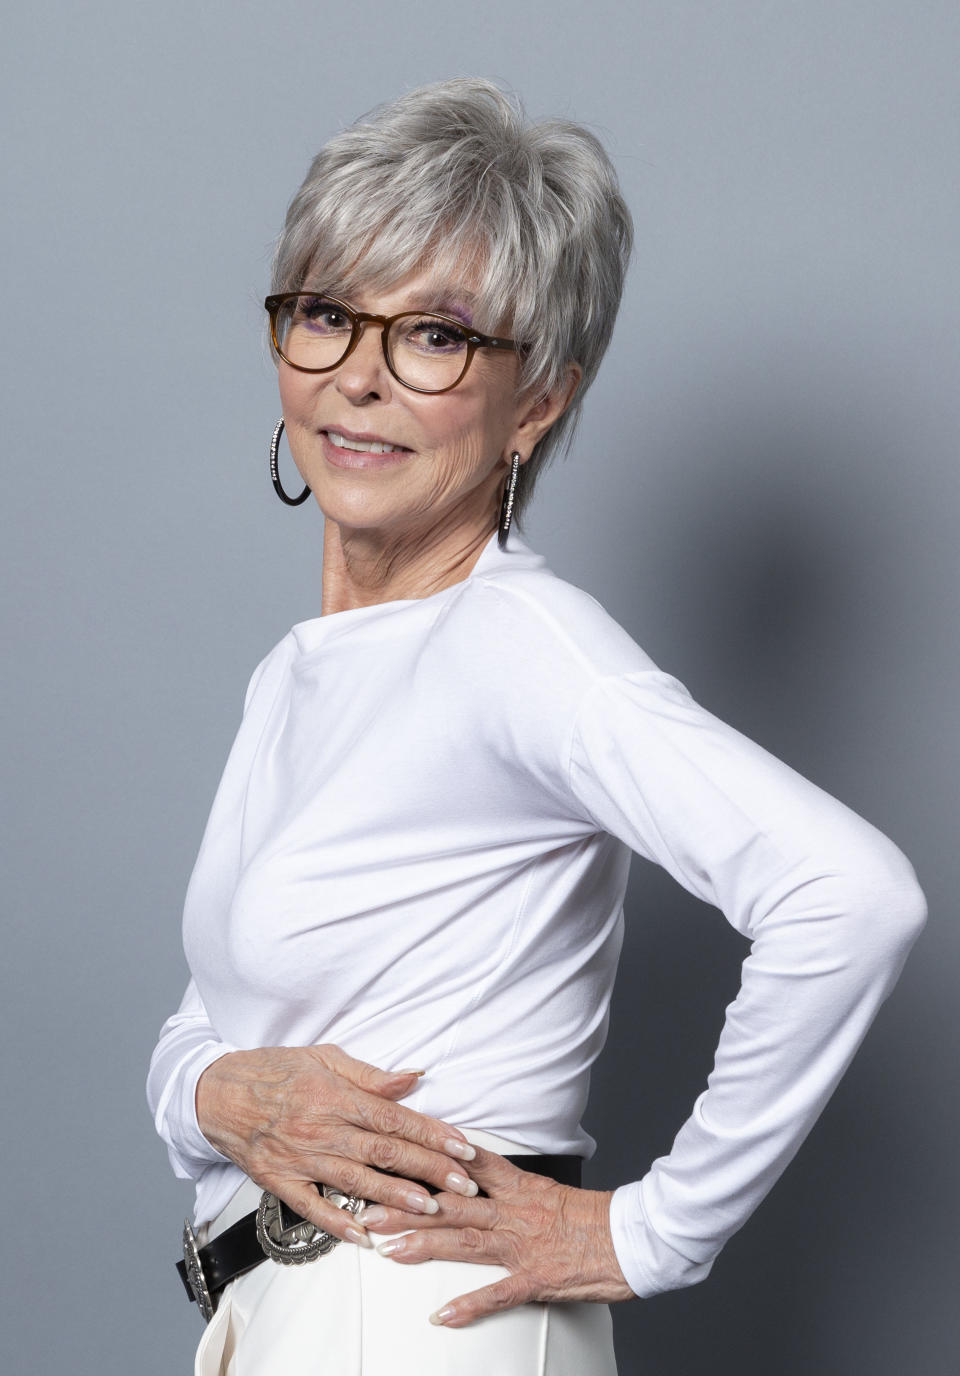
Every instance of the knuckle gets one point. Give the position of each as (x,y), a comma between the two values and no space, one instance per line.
(386,1152)
(351,1178)
(509,1293)
(388,1117)
(471,1239)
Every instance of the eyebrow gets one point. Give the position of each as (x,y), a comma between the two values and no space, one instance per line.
(455,303)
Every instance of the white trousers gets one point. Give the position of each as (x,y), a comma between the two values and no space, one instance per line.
(356,1313)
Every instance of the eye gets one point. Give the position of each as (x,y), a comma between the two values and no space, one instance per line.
(320,315)
(431,335)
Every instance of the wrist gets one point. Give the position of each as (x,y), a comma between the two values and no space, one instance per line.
(208,1099)
(648,1262)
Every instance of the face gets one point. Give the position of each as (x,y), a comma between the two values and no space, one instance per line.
(448,451)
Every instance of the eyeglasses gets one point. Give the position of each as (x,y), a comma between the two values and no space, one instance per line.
(424,351)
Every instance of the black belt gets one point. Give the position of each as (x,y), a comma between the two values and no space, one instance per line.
(206,1270)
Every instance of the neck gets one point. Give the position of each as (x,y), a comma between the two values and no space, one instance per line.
(364,567)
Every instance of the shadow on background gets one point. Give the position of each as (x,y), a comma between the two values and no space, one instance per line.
(777,585)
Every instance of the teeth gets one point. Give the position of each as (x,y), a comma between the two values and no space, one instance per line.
(362,446)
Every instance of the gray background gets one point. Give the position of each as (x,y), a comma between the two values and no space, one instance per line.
(764,491)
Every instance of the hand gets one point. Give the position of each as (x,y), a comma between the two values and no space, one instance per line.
(290,1116)
(554,1240)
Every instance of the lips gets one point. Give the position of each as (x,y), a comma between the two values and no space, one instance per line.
(366,452)
(362,444)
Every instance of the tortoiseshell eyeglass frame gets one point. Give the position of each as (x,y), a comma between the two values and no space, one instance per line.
(474,340)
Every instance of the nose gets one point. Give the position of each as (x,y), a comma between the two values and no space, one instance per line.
(363,375)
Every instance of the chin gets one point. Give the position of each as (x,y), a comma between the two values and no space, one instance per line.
(359,512)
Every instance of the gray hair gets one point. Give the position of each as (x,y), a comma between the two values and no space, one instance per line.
(454,174)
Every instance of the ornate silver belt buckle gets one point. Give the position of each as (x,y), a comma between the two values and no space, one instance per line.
(195,1277)
(293,1243)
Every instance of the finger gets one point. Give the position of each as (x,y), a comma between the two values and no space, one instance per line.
(306,1200)
(397,1083)
(453,1211)
(491,1299)
(389,1084)
(354,1178)
(481,1245)
(393,1083)
(412,1161)
(396,1120)
(499,1177)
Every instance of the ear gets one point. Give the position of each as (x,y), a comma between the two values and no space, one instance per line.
(538,414)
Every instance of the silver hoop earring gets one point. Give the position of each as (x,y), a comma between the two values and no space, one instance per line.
(506,508)
(275,470)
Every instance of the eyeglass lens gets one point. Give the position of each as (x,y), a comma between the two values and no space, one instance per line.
(425,351)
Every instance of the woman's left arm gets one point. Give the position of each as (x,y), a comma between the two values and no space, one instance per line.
(831,908)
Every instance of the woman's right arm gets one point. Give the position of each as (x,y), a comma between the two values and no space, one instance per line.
(290,1116)
(188,1044)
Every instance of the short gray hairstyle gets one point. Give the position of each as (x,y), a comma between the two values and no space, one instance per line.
(453,173)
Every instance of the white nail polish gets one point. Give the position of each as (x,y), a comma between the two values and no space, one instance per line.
(461,1185)
(442,1315)
(421,1203)
(358,1236)
(373,1213)
(454,1147)
(386,1249)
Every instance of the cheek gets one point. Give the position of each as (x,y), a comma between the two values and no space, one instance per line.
(296,393)
(463,434)
(462,458)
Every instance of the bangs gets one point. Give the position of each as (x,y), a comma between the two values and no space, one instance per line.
(454,266)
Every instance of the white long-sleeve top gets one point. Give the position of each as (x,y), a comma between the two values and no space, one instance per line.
(419,850)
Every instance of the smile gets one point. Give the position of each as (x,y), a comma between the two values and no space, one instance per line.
(363,446)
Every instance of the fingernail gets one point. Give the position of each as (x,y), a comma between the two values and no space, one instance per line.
(461,1184)
(358,1236)
(454,1147)
(373,1213)
(442,1315)
(408,1072)
(387,1249)
(421,1203)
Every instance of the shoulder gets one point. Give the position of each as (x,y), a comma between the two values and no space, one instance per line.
(269,672)
(549,622)
(518,652)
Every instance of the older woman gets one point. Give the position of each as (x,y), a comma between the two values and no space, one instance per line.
(404,921)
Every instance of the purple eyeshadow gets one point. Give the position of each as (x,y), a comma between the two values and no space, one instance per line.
(455,309)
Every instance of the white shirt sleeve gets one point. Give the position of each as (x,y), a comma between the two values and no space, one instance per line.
(187,1045)
(831,908)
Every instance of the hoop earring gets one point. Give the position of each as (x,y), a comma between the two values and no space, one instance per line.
(506,507)
(275,470)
